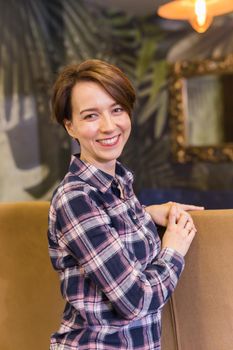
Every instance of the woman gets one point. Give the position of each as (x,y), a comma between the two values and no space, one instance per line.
(115,273)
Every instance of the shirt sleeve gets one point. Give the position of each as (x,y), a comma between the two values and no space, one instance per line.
(86,232)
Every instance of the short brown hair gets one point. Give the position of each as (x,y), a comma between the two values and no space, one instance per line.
(108,76)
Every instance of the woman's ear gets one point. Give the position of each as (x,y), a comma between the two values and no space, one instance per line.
(69,127)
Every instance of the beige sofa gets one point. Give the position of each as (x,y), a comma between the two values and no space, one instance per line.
(198,317)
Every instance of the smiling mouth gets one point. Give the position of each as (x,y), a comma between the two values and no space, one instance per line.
(110,141)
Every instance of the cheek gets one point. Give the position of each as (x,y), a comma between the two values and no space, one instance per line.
(127,125)
(88,131)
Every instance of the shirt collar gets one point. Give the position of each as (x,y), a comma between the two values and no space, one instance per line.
(98,178)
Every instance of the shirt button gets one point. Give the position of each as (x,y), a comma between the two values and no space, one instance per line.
(133,216)
(150,241)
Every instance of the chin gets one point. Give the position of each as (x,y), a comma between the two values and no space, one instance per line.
(111,156)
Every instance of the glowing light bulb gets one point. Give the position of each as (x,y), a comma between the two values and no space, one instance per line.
(200,12)
(201,20)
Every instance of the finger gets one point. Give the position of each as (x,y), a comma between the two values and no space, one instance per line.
(172,216)
(188,207)
(189,226)
(192,225)
(181,210)
(191,235)
(188,215)
(190,219)
(182,220)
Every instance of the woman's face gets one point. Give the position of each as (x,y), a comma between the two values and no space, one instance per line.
(99,123)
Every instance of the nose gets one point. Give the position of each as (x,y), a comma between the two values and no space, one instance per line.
(107,124)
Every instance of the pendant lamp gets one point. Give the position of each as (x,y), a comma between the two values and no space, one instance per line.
(199,13)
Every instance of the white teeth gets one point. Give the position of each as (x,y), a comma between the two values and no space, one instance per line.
(108,141)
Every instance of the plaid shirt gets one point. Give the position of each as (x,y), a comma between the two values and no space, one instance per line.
(114,276)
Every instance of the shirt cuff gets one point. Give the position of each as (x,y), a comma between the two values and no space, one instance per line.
(171,256)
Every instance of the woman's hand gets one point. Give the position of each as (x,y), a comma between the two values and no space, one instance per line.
(180,231)
(160,212)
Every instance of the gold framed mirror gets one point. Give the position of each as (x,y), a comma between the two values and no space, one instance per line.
(201,110)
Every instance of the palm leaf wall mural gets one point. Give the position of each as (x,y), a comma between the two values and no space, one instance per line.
(27,60)
(38,38)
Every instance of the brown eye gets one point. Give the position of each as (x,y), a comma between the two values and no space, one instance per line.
(118,110)
(90,116)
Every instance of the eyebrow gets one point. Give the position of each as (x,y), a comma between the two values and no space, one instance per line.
(93,109)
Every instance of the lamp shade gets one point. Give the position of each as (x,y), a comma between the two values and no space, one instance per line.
(199,13)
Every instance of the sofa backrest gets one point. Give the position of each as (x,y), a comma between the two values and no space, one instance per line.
(200,313)
(30,301)
(198,317)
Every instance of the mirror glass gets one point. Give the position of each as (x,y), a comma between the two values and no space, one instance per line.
(208,103)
